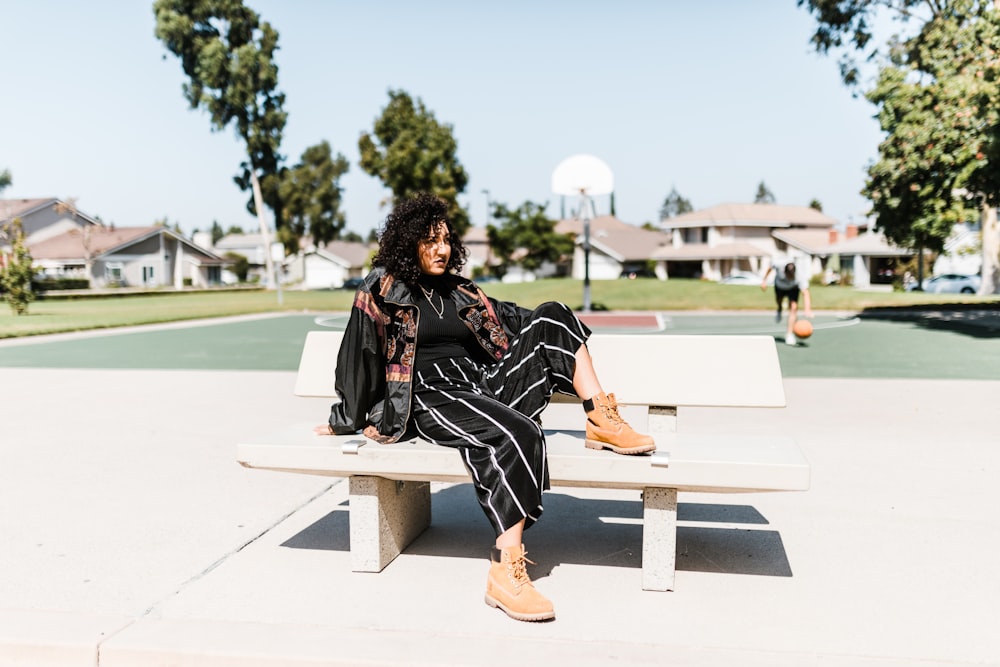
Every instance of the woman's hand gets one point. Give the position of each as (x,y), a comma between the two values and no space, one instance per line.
(323,429)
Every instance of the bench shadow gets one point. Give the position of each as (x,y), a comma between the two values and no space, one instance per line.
(582,531)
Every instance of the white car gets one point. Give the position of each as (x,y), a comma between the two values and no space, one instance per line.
(950,283)
(740,279)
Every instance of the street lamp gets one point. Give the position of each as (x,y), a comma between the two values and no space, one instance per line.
(488,214)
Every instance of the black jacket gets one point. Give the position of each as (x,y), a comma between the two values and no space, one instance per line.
(375,362)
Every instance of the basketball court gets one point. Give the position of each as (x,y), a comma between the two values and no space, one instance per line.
(141,540)
(842,345)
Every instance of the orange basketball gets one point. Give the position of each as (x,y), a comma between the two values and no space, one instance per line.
(803,329)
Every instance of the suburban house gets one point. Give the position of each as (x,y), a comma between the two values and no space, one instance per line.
(617,249)
(44,218)
(127,257)
(66,243)
(251,246)
(327,266)
(313,267)
(715,242)
(480,260)
(866,256)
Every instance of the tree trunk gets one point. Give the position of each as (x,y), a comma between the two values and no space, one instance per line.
(265,236)
(991,251)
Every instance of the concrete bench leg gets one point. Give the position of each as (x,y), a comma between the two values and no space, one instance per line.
(659,538)
(386,516)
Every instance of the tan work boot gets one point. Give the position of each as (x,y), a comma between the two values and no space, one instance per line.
(607,430)
(509,588)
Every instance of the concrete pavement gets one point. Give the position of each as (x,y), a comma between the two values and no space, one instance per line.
(131,537)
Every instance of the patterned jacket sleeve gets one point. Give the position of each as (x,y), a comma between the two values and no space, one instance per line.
(360,377)
(512,316)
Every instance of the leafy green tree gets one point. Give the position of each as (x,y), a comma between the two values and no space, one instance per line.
(410,152)
(227,52)
(816,205)
(526,237)
(5,179)
(311,195)
(16,271)
(937,91)
(912,185)
(674,205)
(216,232)
(764,195)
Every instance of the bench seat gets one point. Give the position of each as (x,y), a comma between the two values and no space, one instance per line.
(702,463)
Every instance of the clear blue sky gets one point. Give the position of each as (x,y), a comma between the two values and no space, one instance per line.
(708,97)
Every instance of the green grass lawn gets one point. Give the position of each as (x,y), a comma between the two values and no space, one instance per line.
(60,315)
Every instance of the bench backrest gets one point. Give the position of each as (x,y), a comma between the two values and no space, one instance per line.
(656,370)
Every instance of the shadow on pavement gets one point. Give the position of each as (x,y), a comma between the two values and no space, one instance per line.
(582,531)
(971,319)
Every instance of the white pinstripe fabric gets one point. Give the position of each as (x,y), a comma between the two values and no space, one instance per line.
(488,412)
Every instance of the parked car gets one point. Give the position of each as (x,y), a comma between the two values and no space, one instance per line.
(950,283)
(740,279)
(352,283)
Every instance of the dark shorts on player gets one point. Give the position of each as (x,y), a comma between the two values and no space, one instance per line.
(792,294)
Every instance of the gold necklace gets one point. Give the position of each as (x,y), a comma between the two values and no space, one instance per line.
(429,296)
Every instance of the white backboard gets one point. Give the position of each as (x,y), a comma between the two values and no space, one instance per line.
(582,174)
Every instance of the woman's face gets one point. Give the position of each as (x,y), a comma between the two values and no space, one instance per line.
(434,251)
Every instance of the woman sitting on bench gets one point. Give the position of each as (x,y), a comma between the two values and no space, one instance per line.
(427,353)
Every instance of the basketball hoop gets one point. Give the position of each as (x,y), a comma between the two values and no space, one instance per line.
(586,176)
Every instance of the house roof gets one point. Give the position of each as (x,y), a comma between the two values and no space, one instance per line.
(15,208)
(70,245)
(631,244)
(751,215)
(699,251)
(19,208)
(871,244)
(811,241)
(230,241)
(349,253)
(103,240)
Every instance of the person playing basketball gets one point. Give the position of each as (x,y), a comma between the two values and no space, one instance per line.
(786,285)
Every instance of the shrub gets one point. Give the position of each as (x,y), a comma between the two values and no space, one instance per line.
(49,284)
(17,271)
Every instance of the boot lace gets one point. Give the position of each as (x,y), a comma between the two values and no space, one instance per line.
(610,410)
(517,570)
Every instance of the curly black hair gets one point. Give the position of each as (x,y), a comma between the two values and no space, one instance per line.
(409,223)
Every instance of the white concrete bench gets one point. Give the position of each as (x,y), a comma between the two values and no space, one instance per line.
(651,375)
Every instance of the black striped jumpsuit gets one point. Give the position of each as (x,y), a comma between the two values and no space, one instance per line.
(489,412)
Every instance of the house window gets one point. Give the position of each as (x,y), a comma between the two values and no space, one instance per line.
(114,273)
(696,235)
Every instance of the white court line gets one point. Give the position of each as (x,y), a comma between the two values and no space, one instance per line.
(332,321)
(854,321)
